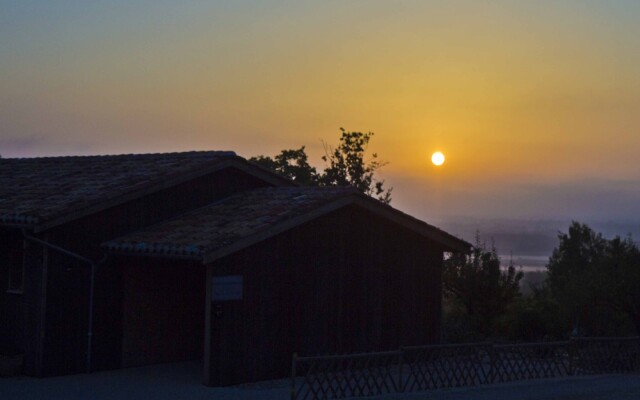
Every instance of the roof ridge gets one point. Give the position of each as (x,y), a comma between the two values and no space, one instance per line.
(239,220)
(42,189)
(216,153)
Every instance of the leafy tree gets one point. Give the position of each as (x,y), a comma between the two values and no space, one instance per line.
(618,279)
(536,317)
(570,268)
(596,280)
(293,164)
(347,165)
(478,283)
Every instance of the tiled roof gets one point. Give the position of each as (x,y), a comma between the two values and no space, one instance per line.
(33,190)
(220,224)
(248,217)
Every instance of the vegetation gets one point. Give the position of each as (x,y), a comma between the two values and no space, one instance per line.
(591,289)
(346,165)
(595,281)
(591,286)
(479,291)
(294,164)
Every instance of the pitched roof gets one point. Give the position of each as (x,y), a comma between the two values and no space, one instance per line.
(246,218)
(42,190)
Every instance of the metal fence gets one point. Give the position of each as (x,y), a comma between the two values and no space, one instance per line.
(421,368)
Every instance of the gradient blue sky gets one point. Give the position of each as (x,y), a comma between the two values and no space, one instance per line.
(535,104)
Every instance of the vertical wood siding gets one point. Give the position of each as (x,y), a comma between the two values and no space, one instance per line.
(12,306)
(346,282)
(20,312)
(68,280)
(163,311)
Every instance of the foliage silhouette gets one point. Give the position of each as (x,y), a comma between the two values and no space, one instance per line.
(346,165)
(293,164)
(479,284)
(595,280)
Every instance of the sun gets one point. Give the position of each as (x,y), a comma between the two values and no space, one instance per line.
(437,158)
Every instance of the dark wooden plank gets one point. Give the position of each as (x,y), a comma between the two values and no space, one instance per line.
(345,282)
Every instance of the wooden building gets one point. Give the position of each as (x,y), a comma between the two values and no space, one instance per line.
(117,261)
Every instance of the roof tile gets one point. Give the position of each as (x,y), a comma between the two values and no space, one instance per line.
(224,222)
(34,190)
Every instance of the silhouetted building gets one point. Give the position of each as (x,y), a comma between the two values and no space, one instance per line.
(127,260)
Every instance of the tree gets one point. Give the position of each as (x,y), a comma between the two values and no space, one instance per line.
(571,265)
(347,165)
(596,280)
(479,284)
(536,317)
(293,164)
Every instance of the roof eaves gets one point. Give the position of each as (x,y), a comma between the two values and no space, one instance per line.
(157,255)
(228,161)
(18,221)
(154,250)
(209,257)
(264,173)
(450,242)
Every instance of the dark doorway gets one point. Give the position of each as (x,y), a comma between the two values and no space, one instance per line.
(163,312)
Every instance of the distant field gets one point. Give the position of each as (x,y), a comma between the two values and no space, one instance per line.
(531,241)
(527,263)
(534,268)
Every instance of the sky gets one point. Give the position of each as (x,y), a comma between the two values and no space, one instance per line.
(535,104)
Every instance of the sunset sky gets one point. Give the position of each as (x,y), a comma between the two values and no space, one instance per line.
(536,105)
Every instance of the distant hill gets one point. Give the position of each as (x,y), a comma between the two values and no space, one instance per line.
(529,243)
(535,238)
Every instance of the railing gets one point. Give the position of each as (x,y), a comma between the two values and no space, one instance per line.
(352,375)
(413,369)
(531,361)
(446,366)
(606,355)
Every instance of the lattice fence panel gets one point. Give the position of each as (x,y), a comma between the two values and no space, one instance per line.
(437,367)
(444,366)
(606,355)
(530,361)
(343,376)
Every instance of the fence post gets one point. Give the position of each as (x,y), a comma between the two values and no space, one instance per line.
(636,359)
(492,363)
(637,356)
(401,381)
(293,376)
(572,354)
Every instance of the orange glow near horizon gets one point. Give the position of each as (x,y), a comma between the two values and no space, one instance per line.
(521,94)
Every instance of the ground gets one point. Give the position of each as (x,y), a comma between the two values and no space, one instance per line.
(182,381)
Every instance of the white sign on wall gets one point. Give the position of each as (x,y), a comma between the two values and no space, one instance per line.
(226,288)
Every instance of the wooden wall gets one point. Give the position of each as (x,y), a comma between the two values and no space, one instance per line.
(66,309)
(12,305)
(66,316)
(20,312)
(163,311)
(85,235)
(346,282)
